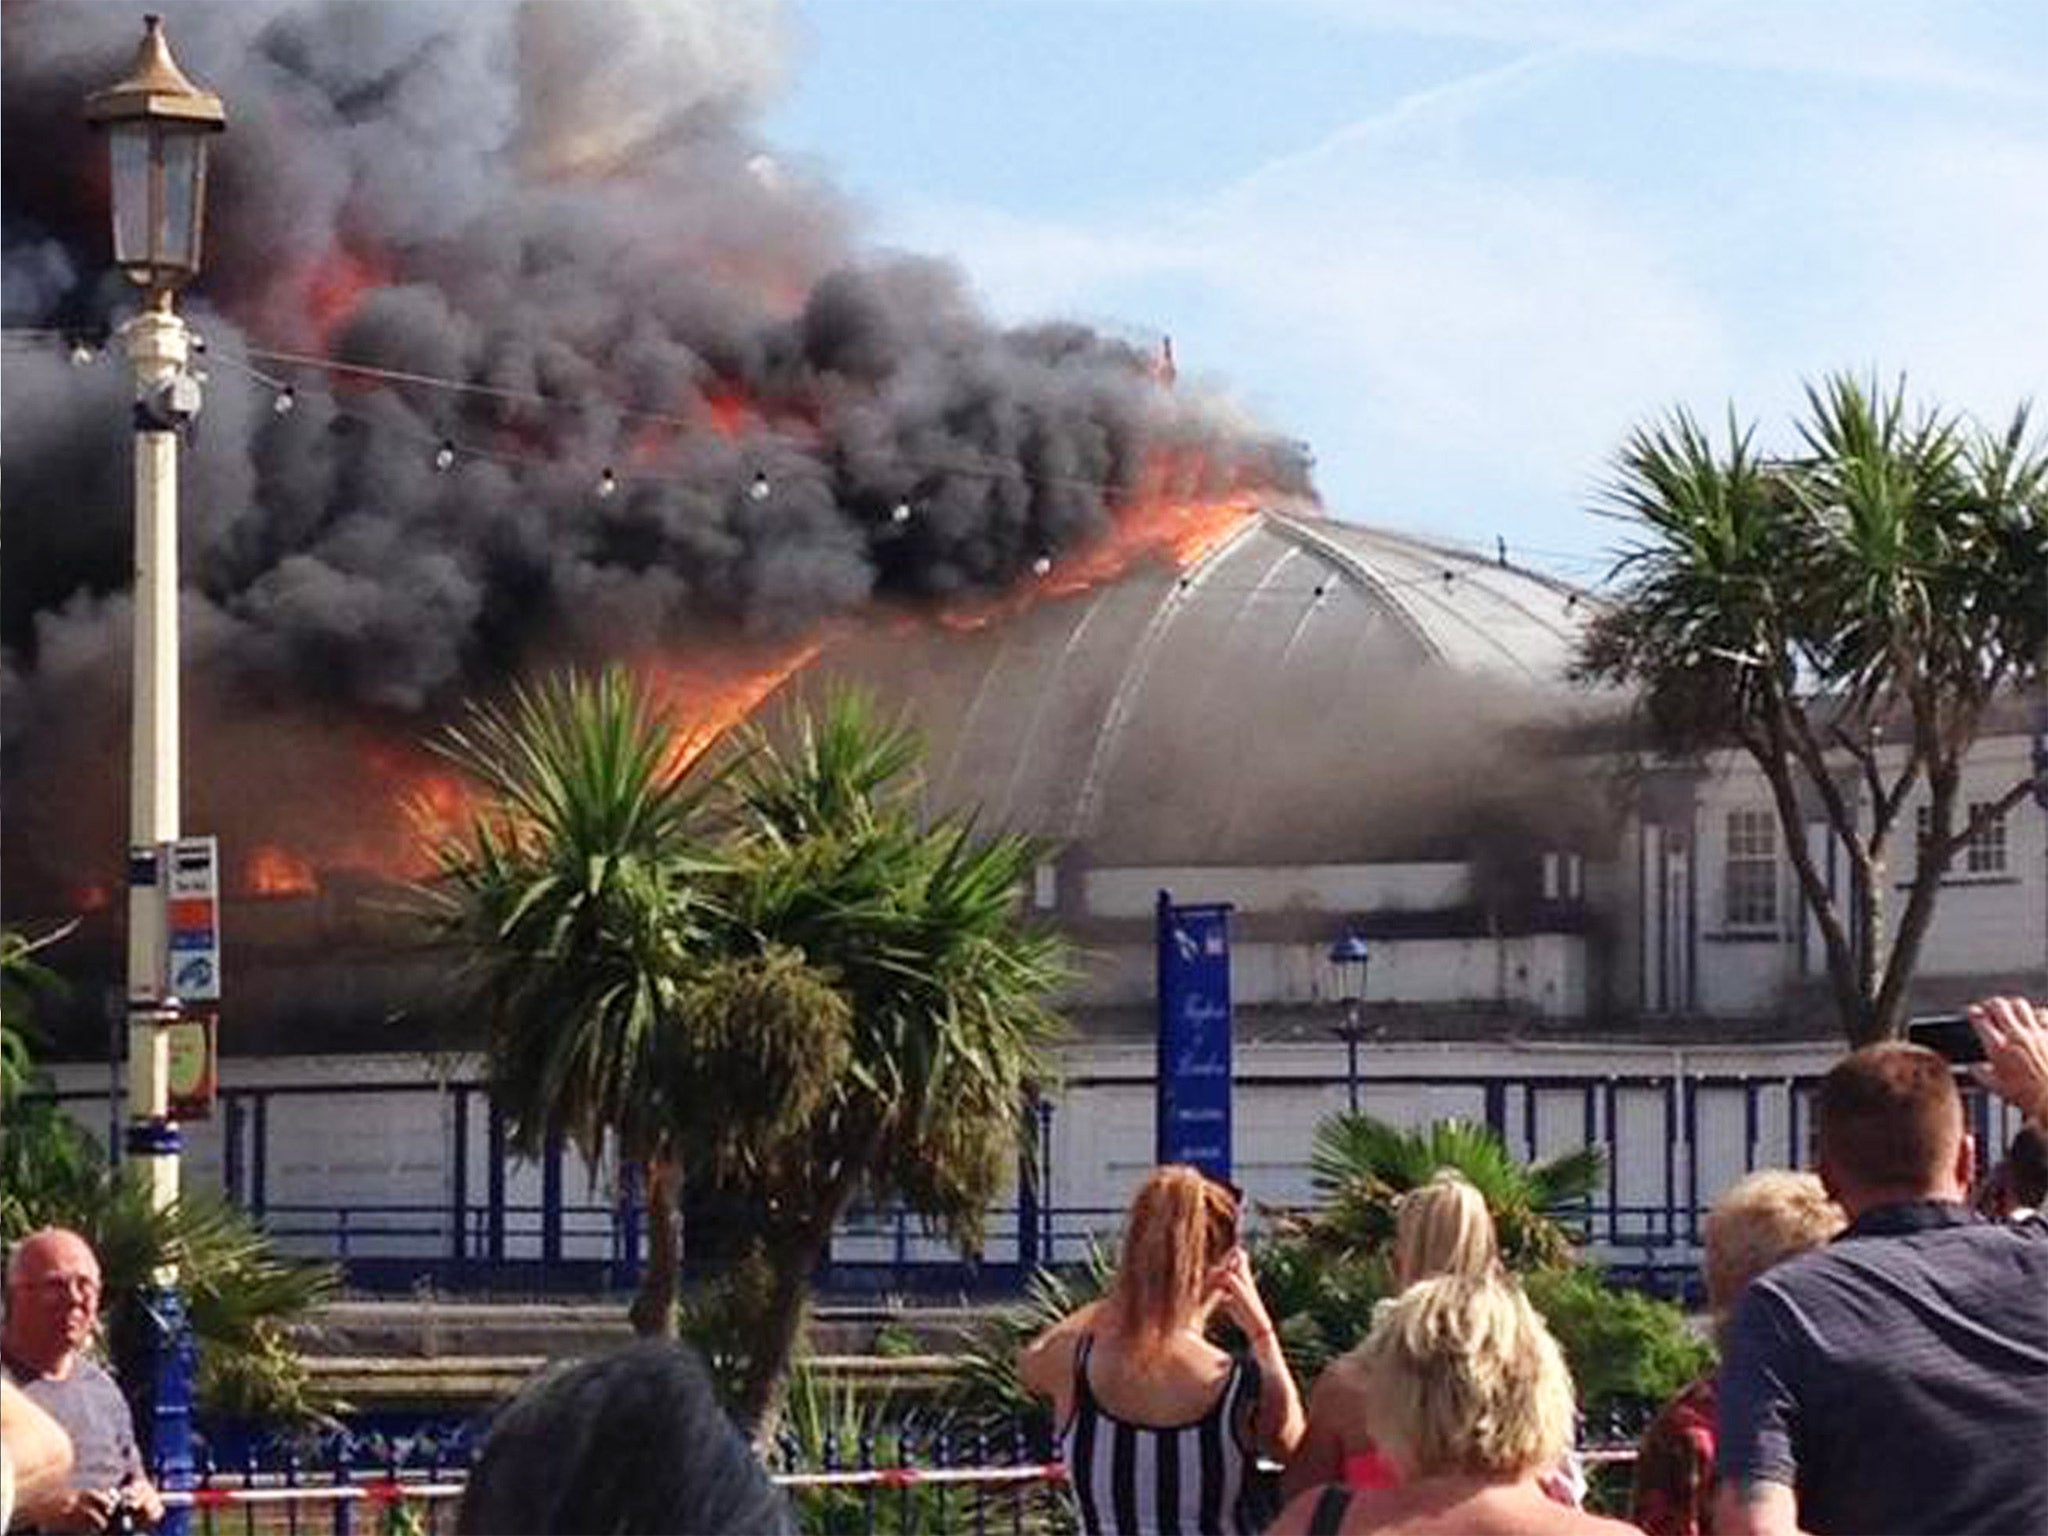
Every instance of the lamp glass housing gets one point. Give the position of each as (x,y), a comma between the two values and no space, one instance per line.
(1350,955)
(1351,983)
(159,195)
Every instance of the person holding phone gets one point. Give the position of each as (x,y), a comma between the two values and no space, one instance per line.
(1896,1379)
(1160,1428)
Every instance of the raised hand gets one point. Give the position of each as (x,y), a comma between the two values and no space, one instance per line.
(2015,1066)
(1238,1296)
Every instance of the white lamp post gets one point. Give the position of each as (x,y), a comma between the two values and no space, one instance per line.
(157,124)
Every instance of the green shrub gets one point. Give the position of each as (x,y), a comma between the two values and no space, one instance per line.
(1625,1349)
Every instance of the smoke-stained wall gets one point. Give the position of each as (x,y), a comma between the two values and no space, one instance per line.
(566,205)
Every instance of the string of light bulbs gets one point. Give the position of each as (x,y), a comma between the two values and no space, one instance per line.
(609,478)
(445,452)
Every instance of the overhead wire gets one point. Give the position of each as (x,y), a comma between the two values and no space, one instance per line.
(445,452)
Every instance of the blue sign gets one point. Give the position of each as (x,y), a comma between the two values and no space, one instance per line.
(1194,1036)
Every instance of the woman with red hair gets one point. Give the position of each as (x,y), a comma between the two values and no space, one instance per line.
(1159,1428)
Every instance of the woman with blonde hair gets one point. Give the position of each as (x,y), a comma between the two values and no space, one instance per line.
(1159,1428)
(1762,1220)
(1440,1228)
(1469,1396)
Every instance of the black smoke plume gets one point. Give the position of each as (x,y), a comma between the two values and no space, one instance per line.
(565,204)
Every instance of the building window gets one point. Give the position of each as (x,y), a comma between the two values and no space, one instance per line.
(1750,886)
(1045,886)
(1983,852)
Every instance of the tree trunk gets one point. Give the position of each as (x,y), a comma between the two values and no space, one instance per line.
(653,1313)
(792,1262)
(1773,754)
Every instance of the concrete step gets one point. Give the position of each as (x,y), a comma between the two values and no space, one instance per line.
(433,1329)
(475,1381)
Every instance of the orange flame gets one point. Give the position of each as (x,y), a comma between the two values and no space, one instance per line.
(1180,532)
(711,695)
(712,690)
(436,803)
(276,871)
(336,284)
(727,410)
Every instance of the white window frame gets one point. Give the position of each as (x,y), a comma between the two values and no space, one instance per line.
(1983,855)
(1751,839)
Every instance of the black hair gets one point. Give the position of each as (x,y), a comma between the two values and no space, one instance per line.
(634,1442)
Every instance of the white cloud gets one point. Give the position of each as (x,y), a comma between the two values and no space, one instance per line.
(1898,42)
(1465,340)
(1424,332)
(1951,222)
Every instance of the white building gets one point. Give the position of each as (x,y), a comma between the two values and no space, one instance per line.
(1718,930)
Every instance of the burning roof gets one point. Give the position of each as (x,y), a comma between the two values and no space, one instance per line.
(1298,691)
(684,412)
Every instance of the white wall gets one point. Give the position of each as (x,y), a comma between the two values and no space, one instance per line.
(1133,892)
(1543,973)
(1989,924)
(385,1155)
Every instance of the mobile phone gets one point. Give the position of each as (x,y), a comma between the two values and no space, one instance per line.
(1951,1035)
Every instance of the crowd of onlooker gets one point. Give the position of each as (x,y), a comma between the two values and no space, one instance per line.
(1883,1350)
(1883,1332)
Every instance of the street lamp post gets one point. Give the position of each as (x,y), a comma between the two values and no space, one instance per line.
(1351,955)
(157,124)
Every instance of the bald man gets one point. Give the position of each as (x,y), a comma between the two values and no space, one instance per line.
(53,1306)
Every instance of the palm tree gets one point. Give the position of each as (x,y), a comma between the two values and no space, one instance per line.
(1360,1166)
(1325,1269)
(770,973)
(571,899)
(919,926)
(1846,615)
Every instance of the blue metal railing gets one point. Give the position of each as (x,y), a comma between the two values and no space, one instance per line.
(1673,1142)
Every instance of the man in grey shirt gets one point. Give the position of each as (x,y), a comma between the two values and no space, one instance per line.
(1896,1380)
(53,1300)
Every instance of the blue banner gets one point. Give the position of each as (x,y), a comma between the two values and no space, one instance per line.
(1193,1123)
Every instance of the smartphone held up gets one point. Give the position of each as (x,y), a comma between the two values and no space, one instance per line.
(1950,1035)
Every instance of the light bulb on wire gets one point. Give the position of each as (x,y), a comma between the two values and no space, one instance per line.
(83,354)
(758,491)
(284,401)
(1042,566)
(607,484)
(444,456)
(900,513)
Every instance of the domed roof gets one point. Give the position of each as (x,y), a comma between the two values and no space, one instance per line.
(1309,692)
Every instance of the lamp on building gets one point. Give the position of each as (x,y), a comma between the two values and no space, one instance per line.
(157,124)
(1351,955)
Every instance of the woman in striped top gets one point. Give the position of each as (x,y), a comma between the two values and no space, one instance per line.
(1160,1429)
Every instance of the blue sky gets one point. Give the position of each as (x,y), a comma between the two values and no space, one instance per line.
(1461,246)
